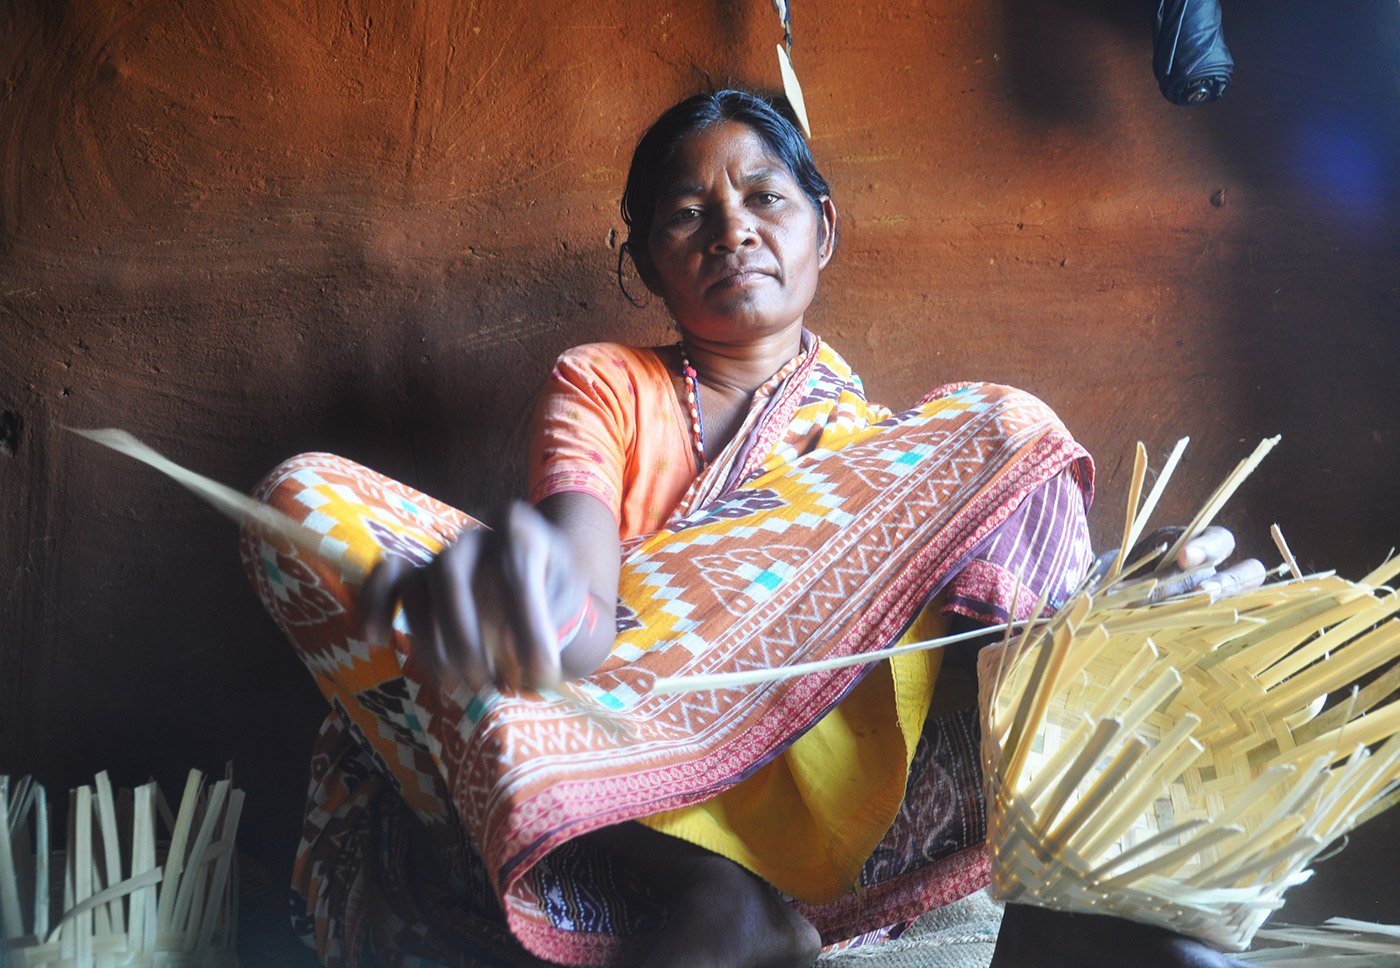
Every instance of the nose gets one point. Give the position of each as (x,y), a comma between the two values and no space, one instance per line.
(733,230)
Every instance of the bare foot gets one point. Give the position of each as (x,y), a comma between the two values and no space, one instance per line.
(1032,936)
(723,916)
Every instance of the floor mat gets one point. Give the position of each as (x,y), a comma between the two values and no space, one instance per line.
(958,935)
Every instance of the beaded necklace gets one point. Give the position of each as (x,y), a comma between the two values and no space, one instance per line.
(692,398)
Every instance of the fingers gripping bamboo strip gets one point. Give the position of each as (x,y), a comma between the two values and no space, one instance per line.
(1175,768)
(124,900)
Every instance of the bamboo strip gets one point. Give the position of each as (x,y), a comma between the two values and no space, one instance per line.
(1379,806)
(20,833)
(41,865)
(1007,648)
(175,857)
(66,939)
(1031,709)
(1133,671)
(1144,514)
(1087,647)
(1164,686)
(1389,931)
(1130,593)
(167,816)
(1225,871)
(1383,575)
(1281,543)
(1040,786)
(1096,798)
(1383,768)
(1271,781)
(234,504)
(81,859)
(109,895)
(1222,495)
(11,914)
(1089,755)
(1018,679)
(1144,848)
(1299,622)
(1302,847)
(1130,520)
(220,880)
(729,680)
(193,876)
(1347,664)
(1367,728)
(1173,859)
(1363,700)
(1376,612)
(1164,762)
(107,818)
(142,930)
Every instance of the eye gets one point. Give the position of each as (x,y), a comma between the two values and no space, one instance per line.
(689,213)
(768,198)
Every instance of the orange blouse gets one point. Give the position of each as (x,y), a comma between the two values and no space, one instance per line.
(610,424)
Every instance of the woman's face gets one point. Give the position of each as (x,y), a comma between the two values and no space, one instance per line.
(735,244)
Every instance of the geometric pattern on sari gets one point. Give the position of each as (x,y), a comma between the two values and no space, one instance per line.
(851,539)
(856,539)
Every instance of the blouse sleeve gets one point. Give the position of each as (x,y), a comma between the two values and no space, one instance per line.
(582,426)
(1045,543)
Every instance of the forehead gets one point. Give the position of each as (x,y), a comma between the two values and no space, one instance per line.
(730,150)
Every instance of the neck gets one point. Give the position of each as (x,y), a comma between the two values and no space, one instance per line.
(742,367)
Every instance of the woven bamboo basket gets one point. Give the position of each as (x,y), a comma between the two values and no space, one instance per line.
(1182,763)
(114,896)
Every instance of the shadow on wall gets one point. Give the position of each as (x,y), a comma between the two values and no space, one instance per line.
(1056,59)
(1308,133)
(1304,150)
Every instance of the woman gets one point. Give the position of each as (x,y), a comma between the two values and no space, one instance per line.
(508,776)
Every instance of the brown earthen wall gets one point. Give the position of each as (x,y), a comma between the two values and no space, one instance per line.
(246,229)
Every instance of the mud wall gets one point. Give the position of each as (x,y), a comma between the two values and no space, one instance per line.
(243,230)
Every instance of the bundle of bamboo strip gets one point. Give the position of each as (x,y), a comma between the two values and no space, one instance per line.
(1171,762)
(115,896)
(1337,943)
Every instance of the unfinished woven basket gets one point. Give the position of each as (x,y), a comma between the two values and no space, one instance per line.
(113,897)
(1172,763)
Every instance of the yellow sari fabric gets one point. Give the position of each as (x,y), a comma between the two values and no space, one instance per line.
(806,821)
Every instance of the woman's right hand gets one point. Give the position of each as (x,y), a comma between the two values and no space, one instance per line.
(490,607)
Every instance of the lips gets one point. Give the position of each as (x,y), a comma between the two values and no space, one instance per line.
(735,277)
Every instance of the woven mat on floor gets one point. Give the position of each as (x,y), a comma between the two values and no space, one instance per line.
(958,935)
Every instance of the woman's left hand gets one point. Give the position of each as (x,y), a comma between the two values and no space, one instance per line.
(1197,565)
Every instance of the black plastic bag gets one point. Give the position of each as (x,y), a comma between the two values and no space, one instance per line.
(1190,58)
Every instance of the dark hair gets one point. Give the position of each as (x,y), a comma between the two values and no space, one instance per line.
(770,118)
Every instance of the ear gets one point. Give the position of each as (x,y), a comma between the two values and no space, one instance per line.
(826,231)
(645,269)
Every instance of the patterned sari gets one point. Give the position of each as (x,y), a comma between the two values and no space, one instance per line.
(445,825)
